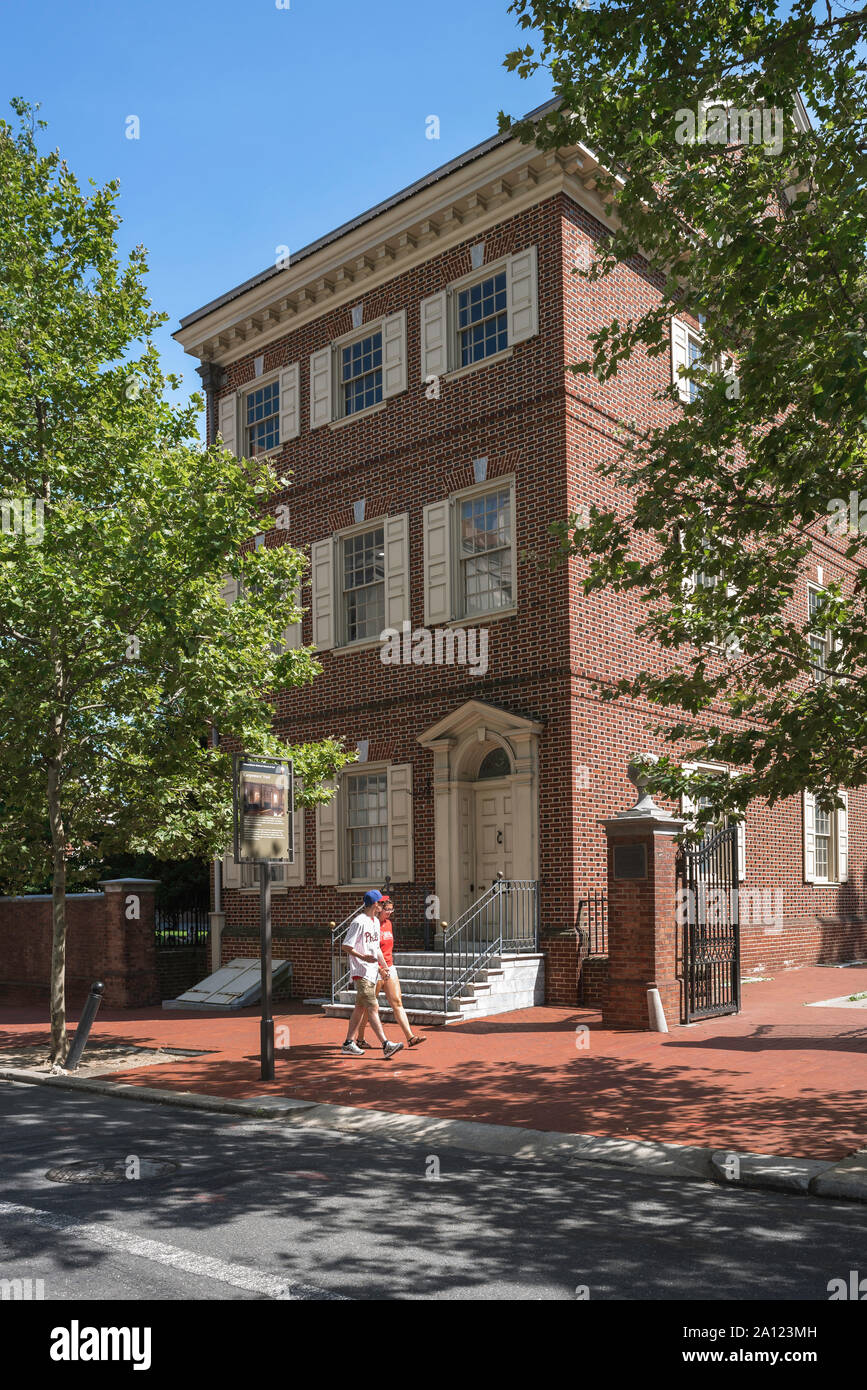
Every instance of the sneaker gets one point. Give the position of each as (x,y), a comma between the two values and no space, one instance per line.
(352,1049)
(390,1048)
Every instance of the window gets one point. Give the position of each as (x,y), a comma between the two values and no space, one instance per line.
(367,826)
(820,642)
(485,552)
(363,572)
(469,562)
(825,837)
(482,319)
(480,316)
(359,371)
(361,374)
(693,359)
(686,352)
(494,764)
(262,417)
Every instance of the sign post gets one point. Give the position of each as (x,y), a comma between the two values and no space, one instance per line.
(264,803)
(266,1027)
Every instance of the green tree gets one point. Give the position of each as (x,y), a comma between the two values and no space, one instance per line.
(752,220)
(117,649)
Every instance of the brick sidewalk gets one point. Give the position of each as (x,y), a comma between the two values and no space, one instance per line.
(778,1078)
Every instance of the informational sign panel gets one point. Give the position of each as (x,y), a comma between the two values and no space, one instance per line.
(264,803)
(630,861)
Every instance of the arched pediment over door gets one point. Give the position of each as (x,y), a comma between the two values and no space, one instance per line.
(486,800)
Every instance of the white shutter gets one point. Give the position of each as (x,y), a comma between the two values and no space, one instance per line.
(396,570)
(809,837)
(394,354)
(231,870)
(843,838)
(228,416)
(292,633)
(322,601)
(522,295)
(434,337)
(742,851)
(327,840)
(679,356)
(437,563)
(290,402)
(400,822)
(687,803)
(230,591)
(320,387)
(293,874)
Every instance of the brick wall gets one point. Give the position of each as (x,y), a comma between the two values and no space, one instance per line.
(181,967)
(101,944)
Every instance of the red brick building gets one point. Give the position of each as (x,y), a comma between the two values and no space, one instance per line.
(407,370)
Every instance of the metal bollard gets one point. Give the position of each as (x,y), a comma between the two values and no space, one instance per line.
(85,1023)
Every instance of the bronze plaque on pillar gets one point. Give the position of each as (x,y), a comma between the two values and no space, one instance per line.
(630,861)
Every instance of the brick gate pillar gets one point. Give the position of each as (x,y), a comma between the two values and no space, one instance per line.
(642,911)
(129,948)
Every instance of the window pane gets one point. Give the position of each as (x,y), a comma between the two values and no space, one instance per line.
(485,547)
(367,825)
(364,584)
(482,319)
(263,418)
(694,356)
(361,373)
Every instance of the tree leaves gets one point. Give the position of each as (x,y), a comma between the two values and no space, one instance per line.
(762,240)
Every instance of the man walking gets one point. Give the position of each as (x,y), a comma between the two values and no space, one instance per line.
(361,944)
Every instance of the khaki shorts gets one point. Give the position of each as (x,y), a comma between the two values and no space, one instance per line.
(365,991)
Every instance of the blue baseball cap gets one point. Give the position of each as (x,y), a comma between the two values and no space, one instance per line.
(371,897)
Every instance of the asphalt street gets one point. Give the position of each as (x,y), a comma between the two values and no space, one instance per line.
(256,1209)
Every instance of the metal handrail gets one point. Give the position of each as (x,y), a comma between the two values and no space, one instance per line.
(340,967)
(593,924)
(505,916)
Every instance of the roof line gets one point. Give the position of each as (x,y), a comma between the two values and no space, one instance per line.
(443,171)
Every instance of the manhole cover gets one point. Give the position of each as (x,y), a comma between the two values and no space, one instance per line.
(121,1170)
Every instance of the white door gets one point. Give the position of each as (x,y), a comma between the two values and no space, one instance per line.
(493,834)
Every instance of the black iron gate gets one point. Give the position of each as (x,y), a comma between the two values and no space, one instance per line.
(711,926)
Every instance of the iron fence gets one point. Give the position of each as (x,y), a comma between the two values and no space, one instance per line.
(593,923)
(186,925)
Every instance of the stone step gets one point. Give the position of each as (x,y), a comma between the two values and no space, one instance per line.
(419,974)
(425,1003)
(423,1018)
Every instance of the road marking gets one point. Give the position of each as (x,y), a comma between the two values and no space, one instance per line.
(205,1266)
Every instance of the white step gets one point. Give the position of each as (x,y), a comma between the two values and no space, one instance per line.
(506,983)
(424,1018)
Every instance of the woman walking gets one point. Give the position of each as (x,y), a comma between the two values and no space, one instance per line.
(389,981)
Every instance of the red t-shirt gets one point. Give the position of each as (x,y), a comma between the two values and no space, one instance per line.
(386,939)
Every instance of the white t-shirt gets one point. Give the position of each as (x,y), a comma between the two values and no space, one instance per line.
(363,935)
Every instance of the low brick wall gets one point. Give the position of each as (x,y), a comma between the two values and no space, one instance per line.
(181,967)
(593,982)
(310,957)
(562,969)
(803,941)
(103,942)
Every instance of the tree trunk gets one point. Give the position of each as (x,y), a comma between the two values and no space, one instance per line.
(59,1038)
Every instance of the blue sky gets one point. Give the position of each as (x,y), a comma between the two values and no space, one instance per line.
(259,126)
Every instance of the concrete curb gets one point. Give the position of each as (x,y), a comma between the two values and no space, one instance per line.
(845,1178)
